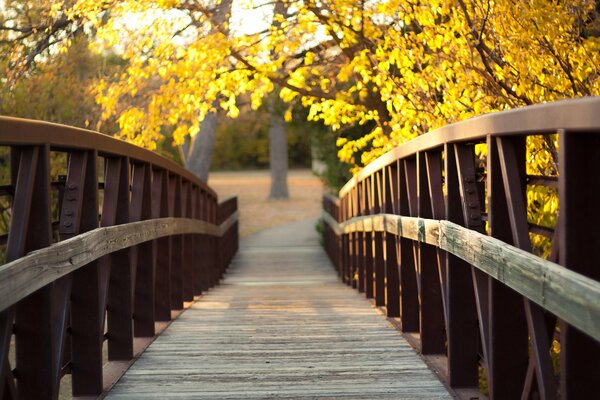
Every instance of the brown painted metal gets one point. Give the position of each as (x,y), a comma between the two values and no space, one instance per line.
(392,278)
(432,315)
(507,346)
(176,245)
(144,264)
(38,325)
(461,327)
(188,247)
(409,291)
(378,243)
(79,214)
(511,153)
(579,193)
(115,210)
(160,208)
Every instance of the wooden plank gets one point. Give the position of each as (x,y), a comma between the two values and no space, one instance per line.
(567,294)
(25,275)
(280,325)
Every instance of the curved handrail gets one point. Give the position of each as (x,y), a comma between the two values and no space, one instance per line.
(574,115)
(18,131)
(569,295)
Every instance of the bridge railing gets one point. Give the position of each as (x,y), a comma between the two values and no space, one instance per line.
(440,232)
(104,243)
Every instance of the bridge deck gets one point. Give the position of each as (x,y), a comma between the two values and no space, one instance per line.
(281,325)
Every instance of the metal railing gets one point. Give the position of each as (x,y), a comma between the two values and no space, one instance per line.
(103,253)
(441,235)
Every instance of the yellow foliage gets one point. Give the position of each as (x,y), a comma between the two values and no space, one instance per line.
(403,67)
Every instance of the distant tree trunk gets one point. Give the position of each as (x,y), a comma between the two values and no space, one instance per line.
(197,152)
(278,156)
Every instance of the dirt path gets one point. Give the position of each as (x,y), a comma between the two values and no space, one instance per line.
(256,211)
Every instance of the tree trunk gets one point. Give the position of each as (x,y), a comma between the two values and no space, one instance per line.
(197,151)
(278,156)
(198,154)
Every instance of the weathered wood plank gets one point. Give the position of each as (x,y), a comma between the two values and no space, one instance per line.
(571,296)
(25,275)
(281,325)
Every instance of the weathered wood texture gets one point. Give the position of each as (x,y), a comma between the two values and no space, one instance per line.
(571,296)
(280,325)
(25,275)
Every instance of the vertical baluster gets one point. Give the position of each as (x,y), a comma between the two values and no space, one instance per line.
(579,199)
(378,243)
(144,262)
(198,243)
(39,321)
(204,246)
(188,268)
(352,260)
(463,344)
(511,152)
(369,239)
(409,293)
(507,344)
(160,209)
(392,287)
(176,245)
(412,206)
(88,298)
(115,211)
(432,315)
(360,238)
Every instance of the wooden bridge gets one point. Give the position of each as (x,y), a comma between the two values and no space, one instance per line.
(109,245)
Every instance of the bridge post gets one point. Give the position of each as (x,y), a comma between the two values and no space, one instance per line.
(115,211)
(378,243)
(90,284)
(188,247)
(432,315)
(160,209)
(507,347)
(579,193)
(392,287)
(409,285)
(175,210)
(144,258)
(38,319)
(369,239)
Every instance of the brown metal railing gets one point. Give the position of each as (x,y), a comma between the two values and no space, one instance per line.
(105,253)
(441,238)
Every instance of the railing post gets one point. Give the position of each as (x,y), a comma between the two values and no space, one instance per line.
(461,328)
(176,245)
(369,239)
(378,242)
(160,209)
(115,211)
(39,321)
(507,346)
(579,193)
(392,287)
(90,284)
(198,242)
(409,282)
(188,246)
(432,316)
(144,259)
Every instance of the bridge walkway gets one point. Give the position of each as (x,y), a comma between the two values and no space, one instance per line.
(280,325)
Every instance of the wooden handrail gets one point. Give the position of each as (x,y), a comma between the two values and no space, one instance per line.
(39,268)
(466,280)
(569,295)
